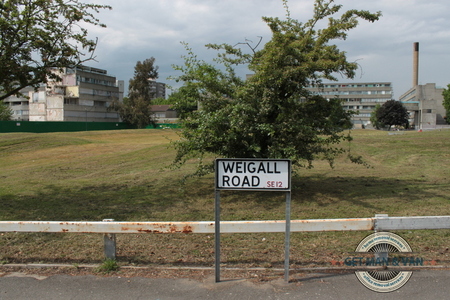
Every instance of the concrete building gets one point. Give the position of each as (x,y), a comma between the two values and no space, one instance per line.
(361,98)
(83,94)
(158,89)
(424,102)
(20,106)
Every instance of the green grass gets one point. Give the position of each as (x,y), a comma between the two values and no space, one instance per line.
(121,175)
(108,266)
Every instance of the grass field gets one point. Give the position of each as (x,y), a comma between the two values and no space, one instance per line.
(122,175)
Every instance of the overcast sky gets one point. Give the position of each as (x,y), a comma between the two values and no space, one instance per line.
(137,30)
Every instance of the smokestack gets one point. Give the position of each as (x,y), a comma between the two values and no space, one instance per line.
(416,65)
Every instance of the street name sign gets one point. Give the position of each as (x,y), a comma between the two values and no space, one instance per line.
(253,174)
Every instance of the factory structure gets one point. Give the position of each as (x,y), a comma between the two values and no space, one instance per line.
(424,102)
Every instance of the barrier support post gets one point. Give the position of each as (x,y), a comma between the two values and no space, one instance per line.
(109,242)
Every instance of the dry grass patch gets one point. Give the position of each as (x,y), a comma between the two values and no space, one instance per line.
(121,175)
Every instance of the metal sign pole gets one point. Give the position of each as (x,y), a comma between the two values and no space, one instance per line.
(287,236)
(217,235)
(256,175)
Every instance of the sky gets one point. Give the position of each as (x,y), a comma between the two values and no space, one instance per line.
(137,30)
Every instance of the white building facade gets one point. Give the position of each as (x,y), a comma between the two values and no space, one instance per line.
(360,98)
(83,95)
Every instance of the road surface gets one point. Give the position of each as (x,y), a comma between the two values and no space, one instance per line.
(425,284)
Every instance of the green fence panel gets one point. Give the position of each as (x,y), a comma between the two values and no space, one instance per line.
(39,127)
(163,126)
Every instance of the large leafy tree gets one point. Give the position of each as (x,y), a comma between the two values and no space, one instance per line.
(37,35)
(271,114)
(185,99)
(392,113)
(446,102)
(136,109)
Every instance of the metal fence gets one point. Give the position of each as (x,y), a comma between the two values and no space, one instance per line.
(110,227)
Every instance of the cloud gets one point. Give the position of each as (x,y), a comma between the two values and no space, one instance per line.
(140,29)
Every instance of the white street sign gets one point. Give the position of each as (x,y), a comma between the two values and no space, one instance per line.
(253,174)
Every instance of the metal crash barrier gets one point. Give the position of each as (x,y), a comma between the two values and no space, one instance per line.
(109,227)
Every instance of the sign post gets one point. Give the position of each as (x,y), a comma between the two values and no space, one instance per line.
(217,235)
(287,236)
(252,175)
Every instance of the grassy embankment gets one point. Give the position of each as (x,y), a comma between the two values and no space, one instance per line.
(91,176)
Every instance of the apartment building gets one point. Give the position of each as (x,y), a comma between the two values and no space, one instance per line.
(83,95)
(20,106)
(157,89)
(361,98)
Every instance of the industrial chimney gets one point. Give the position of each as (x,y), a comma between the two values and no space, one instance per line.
(415,64)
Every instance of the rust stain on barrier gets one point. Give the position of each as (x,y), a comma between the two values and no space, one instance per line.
(148,230)
(187,229)
(172,229)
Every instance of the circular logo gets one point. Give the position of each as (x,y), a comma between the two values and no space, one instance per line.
(381,244)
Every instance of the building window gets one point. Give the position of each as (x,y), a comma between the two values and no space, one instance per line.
(70,101)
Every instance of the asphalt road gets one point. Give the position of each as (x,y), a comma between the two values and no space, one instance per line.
(430,284)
